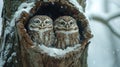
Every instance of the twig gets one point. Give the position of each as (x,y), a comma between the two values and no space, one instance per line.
(106,22)
(113,16)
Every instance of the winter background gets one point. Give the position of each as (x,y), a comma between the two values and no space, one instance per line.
(104,50)
(1,4)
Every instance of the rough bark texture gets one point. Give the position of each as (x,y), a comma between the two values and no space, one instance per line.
(21,44)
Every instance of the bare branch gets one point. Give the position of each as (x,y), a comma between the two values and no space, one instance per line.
(105,22)
(112,30)
(98,18)
(115,3)
(113,16)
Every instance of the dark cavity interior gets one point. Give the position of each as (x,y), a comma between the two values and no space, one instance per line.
(54,10)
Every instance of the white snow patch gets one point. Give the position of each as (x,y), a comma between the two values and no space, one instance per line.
(23,7)
(1,62)
(115,24)
(1,6)
(54,52)
(77,5)
(6,51)
(7,30)
(16,61)
(9,59)
(12,55)
(45,0)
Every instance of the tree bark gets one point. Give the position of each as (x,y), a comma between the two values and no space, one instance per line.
(17,50)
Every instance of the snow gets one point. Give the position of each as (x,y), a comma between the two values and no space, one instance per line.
(54,52)
(1,5)
(7,49)
(101,52)
(115,24)
(7,30)
(104,47)
(23,7)
(12,55)
(1,62)
(77,5)
(100,49)
(45,0)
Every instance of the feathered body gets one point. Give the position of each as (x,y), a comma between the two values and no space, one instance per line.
(66,31)
(41,30)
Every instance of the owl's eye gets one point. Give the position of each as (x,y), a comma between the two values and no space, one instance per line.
(62,23)
(36,21)
(71,23)
(47,22)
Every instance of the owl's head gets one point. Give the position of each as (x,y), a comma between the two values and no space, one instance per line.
(40,22)
(66,23)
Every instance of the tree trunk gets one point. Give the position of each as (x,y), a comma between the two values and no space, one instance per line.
(17,47)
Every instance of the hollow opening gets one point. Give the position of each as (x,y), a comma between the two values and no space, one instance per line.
(54,10)
(57,9)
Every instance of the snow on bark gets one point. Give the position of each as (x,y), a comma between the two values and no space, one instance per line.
(9,30)
(7,50)
(80,8)
(71,53)
(23,7)
(54,52)
(77,5)
(12,55)
(1,62)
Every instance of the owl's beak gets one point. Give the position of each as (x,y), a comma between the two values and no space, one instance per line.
(67,27)
(41,26)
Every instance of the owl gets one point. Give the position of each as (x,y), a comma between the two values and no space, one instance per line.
(66,32)
(40,29)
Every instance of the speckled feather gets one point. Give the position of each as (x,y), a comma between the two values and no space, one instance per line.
(41,30)
(66,31)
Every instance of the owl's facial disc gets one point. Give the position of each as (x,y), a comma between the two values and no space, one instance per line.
(67,26)
(33,27)
(48,21)
(59,24)
(46,24)
(72,24)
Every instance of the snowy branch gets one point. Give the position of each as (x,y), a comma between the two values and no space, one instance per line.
(106,22)
(76,4)
(98,18)
(113,31)
(113,16)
